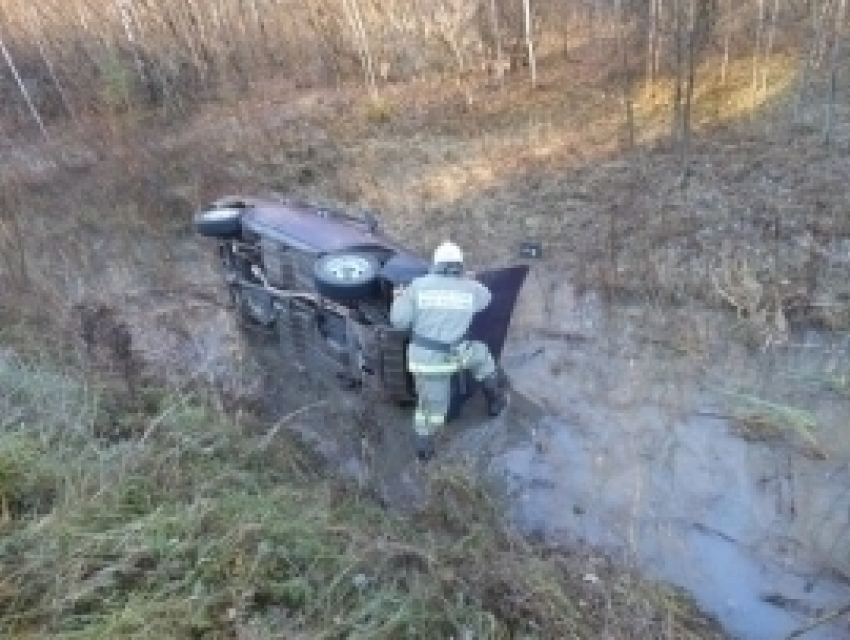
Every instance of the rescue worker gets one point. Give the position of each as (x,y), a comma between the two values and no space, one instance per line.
(438,308)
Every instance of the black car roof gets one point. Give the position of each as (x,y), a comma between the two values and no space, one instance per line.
(312,228)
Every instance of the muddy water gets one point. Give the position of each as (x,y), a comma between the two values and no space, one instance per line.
(634,452)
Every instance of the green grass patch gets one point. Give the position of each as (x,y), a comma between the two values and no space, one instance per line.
(757,419)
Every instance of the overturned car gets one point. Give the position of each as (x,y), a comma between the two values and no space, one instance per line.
(324,281)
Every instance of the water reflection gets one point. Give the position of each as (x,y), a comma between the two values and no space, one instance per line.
(638,456)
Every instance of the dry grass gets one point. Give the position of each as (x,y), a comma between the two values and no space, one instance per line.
(490,167)
(718,101)
(759,420)
(102,58)
(82,58)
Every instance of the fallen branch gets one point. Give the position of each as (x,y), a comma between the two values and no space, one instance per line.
(161,418)
(807,241)
(271,433)
(820,621)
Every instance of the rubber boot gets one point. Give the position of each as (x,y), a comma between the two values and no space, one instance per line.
(424,446)
(493,394)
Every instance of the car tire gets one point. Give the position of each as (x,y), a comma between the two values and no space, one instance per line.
(224,222)
(346,276)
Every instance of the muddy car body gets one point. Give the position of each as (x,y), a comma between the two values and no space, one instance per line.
(324,280)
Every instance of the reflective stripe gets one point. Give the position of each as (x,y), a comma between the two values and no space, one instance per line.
(424,421)
(422,417)
(440,368)
(446,299)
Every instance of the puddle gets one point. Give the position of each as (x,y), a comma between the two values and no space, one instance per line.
(634,455)
(707,515)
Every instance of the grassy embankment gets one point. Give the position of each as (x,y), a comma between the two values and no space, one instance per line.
(186,525)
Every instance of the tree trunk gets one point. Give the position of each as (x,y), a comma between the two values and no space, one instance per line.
(15,253)
(38,34)
(124,15)
(651,68)
(727,40)
(808,61)
(626,82)
(835,56)
(353,13)
(693,40)
(529,41)
(497,36)
(757,53)
(24,92)
(659,39)
(771,37)
(677,91)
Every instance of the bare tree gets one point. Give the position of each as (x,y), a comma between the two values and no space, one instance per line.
(352,12)
(653,47)
(124,12)
(808,59)
(693,24)
(835,57)
(11,234)
(23,88)
(529,41)
(38,36)
(494,25)
(727,41)
(771,37)
(452,19)
(679,37)
(693,43)
(626,81)
(757,46)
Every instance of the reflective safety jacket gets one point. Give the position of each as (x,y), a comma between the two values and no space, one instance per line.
(438,308)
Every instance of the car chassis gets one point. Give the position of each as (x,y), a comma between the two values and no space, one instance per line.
(325,280)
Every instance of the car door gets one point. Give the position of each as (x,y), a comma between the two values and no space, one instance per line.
(490,326)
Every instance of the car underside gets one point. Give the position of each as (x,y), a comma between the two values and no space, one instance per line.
(324,281)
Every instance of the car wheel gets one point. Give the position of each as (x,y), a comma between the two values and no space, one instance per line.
(219,222)
(346,276)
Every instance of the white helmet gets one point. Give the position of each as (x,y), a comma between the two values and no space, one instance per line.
(448,253)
